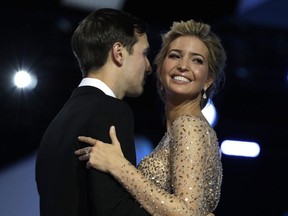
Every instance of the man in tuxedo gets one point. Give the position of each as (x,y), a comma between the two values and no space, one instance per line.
(111,48)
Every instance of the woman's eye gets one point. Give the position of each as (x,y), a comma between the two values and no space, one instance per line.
(198,60)
(173,55)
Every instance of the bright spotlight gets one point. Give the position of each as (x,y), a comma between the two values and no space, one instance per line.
(23,79)
(240,148)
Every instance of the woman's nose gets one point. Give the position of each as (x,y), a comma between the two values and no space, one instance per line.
(182,66)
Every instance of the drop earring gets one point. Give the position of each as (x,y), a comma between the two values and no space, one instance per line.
(204,94)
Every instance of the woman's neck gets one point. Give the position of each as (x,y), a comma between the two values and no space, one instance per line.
(173,111)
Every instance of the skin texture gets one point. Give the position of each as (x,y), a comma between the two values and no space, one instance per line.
(184,75)
(125,73)
(136,65)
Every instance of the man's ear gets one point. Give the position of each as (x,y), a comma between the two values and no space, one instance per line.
(117,53)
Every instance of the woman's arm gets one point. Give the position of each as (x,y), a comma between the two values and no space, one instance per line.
(186,178)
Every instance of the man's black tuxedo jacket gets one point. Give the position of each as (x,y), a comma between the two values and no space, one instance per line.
(65,186)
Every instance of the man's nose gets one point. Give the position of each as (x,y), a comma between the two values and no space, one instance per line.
(148,69)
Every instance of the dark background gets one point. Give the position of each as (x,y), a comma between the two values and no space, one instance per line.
(35,35)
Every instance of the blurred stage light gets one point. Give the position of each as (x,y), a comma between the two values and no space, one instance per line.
(94,4)
(24,79)
(247,5)
(209,111)
(143,147)
(240,148)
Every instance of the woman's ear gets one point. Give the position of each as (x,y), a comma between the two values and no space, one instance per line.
(208,84)
(117,53)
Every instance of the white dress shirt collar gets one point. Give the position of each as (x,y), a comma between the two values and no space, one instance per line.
(98,84)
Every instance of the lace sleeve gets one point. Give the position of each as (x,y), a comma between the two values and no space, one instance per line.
(188,162)
(187,159)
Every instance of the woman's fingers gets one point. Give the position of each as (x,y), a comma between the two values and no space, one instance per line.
(88,140)
(114,139)
(83,157)
(99,156)
(113,135)
(83,151)
(88,164)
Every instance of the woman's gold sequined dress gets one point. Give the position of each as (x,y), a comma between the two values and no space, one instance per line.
(183,174)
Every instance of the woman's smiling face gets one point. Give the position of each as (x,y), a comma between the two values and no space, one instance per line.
(185,68)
